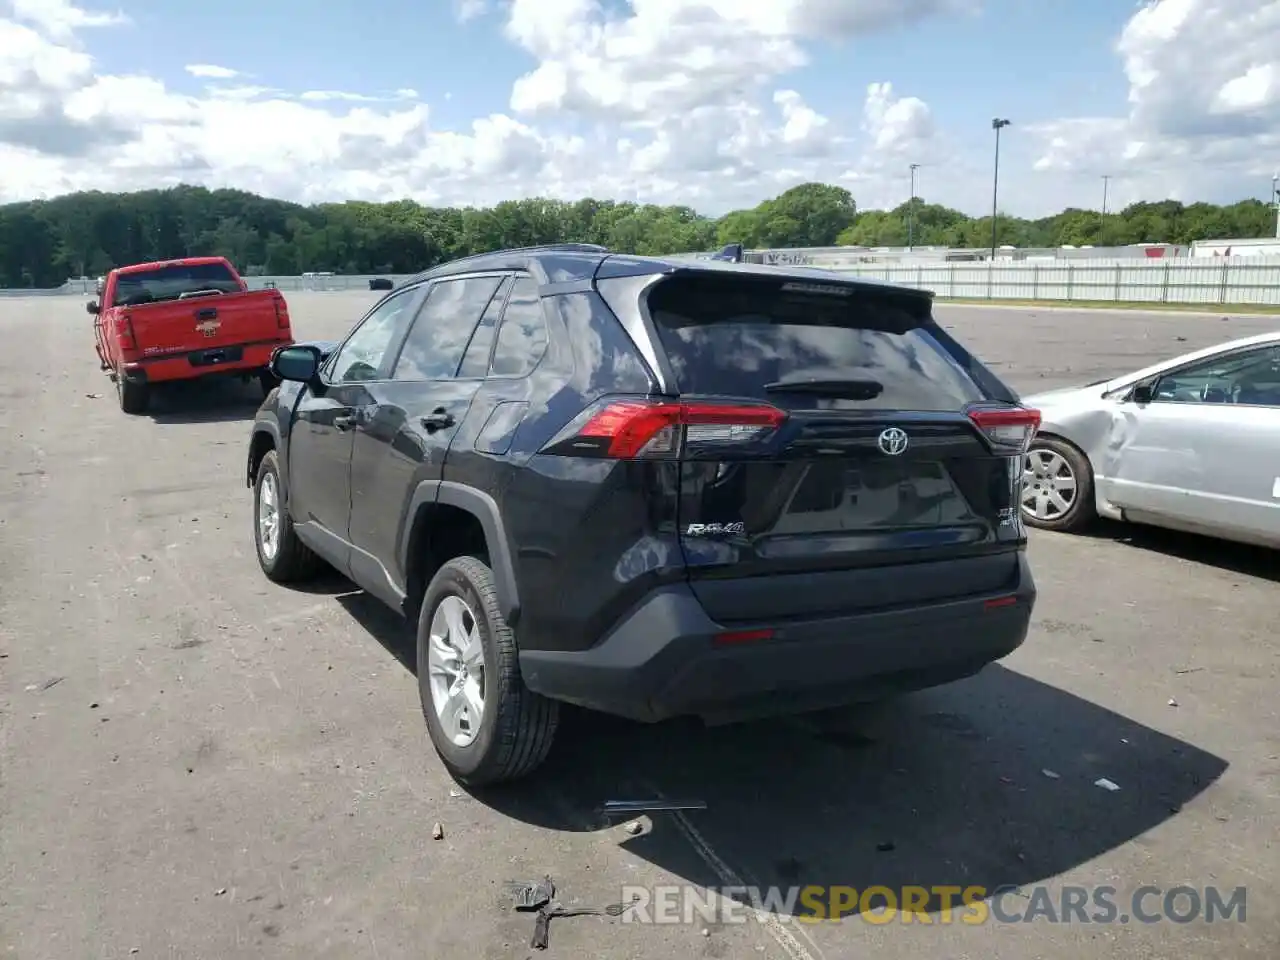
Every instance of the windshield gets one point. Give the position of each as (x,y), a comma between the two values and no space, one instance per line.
(170,283)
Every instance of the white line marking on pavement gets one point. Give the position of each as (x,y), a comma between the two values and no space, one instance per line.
(730,878)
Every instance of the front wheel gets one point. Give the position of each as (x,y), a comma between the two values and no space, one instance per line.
(283,557)
(486,726)
(1057,486)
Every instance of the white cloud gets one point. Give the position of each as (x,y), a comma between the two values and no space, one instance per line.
(1203,106)
(678,101)
(467,10)
(60,20)
(211,71)
(683,101)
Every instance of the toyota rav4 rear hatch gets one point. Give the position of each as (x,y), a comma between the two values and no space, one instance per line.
(840,451)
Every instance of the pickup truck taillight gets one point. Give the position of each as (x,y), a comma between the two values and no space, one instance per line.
(282,312)
(124,331)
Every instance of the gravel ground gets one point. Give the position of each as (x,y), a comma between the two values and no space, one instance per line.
(195,763)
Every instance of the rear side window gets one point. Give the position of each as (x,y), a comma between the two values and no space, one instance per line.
(440,333)
(735,336)
(170,282)
(522,335)
(475,363)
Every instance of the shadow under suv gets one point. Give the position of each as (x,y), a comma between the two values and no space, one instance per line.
(653,488)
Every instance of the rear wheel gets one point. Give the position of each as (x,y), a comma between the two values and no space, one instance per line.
(283,557)
(133,396)
(1057,486)
(486,726)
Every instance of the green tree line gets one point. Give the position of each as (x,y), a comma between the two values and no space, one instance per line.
(44,242)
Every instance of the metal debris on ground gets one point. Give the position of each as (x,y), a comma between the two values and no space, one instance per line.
(533,895)
(437,832)
(635,828)
(1106,784)
(619,808)
(539,895)
(1051,774)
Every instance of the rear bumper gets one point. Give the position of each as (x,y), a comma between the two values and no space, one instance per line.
(663,661)
(217,360)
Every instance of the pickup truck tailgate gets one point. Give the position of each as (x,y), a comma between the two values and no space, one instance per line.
(198,323)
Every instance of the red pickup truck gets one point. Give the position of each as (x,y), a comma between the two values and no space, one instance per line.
(182,319)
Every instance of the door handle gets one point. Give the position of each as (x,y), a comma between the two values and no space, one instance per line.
(344,423)
(438,419)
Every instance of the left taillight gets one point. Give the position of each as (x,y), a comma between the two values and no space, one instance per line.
(1007,428)
(646,429)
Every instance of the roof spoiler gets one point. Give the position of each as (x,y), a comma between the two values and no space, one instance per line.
(731,254)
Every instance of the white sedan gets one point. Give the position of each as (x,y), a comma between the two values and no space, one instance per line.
(1190,444)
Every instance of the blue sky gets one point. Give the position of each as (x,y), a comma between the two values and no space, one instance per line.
(704,102)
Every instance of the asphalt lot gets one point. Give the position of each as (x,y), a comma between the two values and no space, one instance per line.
(195,763)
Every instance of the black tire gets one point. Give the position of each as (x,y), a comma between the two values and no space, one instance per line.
(518,726)
(1082,510)
(134,397)
(293,560)
(268,381)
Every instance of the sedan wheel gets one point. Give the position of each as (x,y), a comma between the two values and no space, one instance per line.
(1057,486)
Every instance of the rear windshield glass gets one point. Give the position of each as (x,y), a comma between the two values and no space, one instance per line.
(169,283)
(748,337)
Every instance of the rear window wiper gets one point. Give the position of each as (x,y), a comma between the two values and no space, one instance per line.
(846,389)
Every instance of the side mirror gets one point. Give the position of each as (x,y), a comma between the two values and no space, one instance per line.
(1142,394)
(93,307)
(298,363)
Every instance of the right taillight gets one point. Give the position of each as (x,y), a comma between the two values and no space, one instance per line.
(124,331)
(282,312)
(1008,428)
(631,429)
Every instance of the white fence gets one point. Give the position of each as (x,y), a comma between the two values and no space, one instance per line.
(1209,281)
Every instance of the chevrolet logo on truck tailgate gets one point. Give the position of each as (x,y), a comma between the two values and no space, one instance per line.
(208,327)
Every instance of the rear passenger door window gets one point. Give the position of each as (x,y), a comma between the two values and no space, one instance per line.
(522,336)
(434,347)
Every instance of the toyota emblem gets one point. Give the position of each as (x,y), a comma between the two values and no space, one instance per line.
(893,441)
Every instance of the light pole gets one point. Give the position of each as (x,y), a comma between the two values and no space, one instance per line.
(911,209)
(1275,200)
(997,125)
(1102,225)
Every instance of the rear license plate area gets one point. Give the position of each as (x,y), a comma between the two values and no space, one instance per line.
(216,356)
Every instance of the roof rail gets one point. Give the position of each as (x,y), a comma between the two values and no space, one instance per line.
(566,247)
(507,258)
